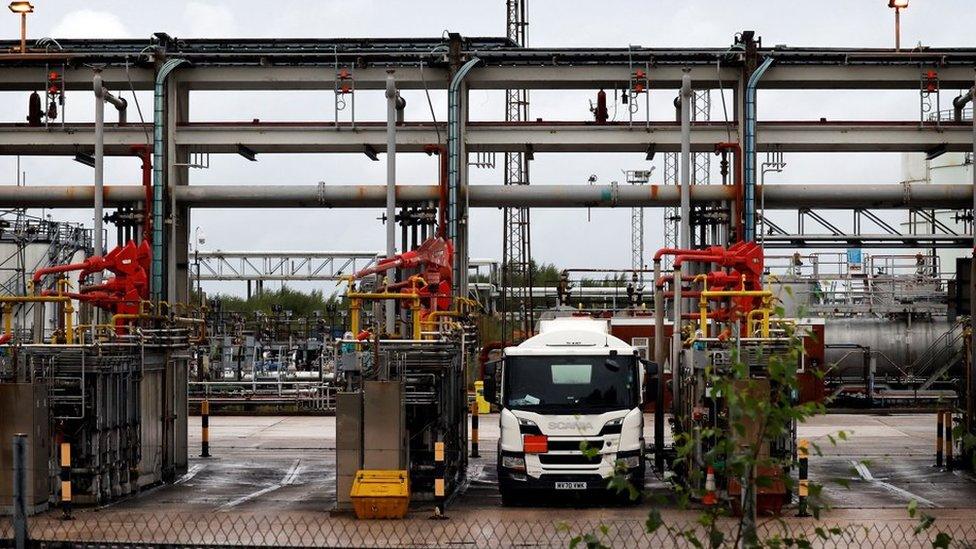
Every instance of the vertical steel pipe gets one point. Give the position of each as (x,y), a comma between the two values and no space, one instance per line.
(660,358)
(685,236)
(99,169)
(391,114)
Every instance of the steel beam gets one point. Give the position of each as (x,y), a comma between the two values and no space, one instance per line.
(781,197)
(552,77)
(807,241)
(282,265)
(497,137)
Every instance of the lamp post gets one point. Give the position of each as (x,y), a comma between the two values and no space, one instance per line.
(898,5)
(23,8)
(201,239)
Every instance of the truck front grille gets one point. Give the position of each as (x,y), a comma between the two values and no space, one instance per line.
(569,459)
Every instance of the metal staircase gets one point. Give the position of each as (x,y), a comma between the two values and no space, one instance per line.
(940,356)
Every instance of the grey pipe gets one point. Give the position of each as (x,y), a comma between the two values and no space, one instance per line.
(676,343)
(959,103)
(391,121)
(99,168)
(779,196)
(685,236)
(101,96)
(660,359)
(970,409)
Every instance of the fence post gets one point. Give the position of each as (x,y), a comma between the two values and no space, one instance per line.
(938,439)
(205,428)
(474,430)
(65,481)
(439,485)
(803,455)
(948,439)
(20,489)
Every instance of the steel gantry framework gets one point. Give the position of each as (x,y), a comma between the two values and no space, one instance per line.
(430,63)
(281,265)
(517,227)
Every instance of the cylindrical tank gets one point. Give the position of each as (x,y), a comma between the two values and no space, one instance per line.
(899,341)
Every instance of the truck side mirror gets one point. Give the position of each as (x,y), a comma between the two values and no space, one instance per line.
(650,369)
(490,389)
(649,378)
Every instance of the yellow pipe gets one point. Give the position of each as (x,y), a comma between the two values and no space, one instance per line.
(355,306)
(415,317)
(69,333)
(750,321)
(702,305)
(127,316)
(9,300)
(433,319)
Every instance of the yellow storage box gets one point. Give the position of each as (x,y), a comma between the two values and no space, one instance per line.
(381,494)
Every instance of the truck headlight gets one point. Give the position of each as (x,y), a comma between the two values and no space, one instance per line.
(513,462)
(629,462)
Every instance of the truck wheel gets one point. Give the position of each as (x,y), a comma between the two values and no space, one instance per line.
(511,498)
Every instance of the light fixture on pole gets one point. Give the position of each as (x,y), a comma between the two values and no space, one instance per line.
(201,239)
(898,5)
(23,8)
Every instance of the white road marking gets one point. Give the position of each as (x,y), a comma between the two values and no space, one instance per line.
(190,473)
(289,478)
(865,474)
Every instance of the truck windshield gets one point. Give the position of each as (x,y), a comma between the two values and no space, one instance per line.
(557,384)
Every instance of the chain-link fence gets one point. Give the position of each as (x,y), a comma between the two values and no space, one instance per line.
(93,528)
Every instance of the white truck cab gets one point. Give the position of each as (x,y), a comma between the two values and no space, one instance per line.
(569,388)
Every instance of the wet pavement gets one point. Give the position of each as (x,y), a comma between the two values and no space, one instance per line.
(287,464)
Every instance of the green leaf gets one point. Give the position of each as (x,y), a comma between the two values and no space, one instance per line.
(942,541)
(653,521)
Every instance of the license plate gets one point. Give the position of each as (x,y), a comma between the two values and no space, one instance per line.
(570,486)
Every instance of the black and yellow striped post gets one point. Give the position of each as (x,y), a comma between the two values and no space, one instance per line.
(939,436)
(65,476)
(474,430)
(205,428)
(803,490)
(948,439)
(439,487)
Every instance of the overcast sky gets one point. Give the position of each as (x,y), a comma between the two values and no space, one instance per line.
(565,237)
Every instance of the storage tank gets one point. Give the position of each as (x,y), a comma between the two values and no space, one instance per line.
(948,168)
(898,341)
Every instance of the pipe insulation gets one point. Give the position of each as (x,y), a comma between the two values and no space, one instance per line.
(778,196)
(749,155)
(454,153)
(158,212)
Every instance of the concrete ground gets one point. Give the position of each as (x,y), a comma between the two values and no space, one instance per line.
(271,464)
(271,481)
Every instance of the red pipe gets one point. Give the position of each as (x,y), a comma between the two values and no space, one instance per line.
(678,260)
(442,187)
(675,251)
(144,152)
(41,273)
(736,183)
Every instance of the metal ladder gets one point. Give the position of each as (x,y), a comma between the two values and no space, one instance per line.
(940,356)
